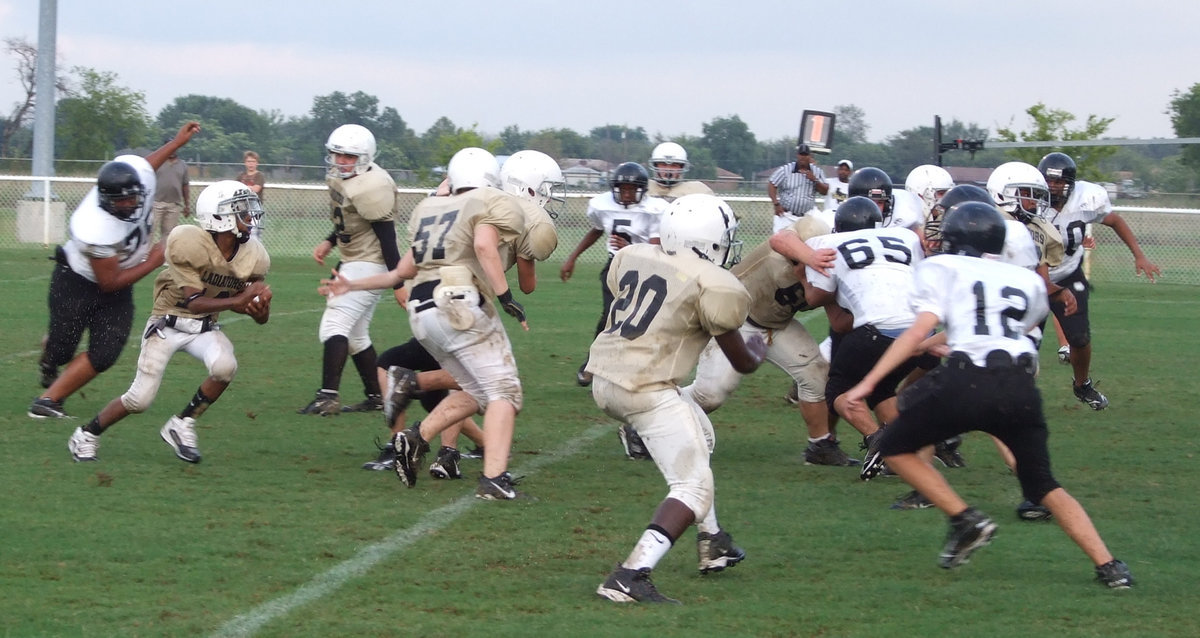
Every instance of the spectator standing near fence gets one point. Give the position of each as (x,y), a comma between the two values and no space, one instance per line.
(253,178)
(172,197)
(793,188)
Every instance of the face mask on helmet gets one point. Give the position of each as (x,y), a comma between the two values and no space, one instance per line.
(1060,173)
(874,184)
(119,190)
(629,182)
(351,150)
(960,194)
(701,225)
(229,207)
(930,183)
(536,177)
(1020,190)
(669,163)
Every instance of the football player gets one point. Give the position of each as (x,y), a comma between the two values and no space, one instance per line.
(930,183)
(870,279)
(624,215)
(776,295)
(457,267)
(363,210)
(92,286)
(1073,205)
(672,300)
(211,267)
(668,164)
(987,383)
(899,208)
(1020,192)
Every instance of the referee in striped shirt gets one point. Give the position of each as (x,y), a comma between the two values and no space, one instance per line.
(794,186)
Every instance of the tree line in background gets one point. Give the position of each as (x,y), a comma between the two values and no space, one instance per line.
(96,117)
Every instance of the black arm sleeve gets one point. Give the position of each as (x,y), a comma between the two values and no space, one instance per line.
(386,232)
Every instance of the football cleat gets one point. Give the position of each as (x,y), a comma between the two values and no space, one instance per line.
(827,452)
(635,448)
(83,446)
(968,532)
(326,403)
(473,453)
(500,488)
(717,551)
(386,459)
(582,376)
(401,389)
(373,403)
(626,585)
(1030,511)
(445,466)
(872,464)
(1064,355)
(914,500)
(1114,574)
(947,452)
(180,434)
(42,408)
(1088,394)
(410,451)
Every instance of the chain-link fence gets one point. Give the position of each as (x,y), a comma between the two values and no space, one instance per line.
(33,217)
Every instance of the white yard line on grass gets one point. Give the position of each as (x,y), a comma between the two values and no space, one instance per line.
(330,581)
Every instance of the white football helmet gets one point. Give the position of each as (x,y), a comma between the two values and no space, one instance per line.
(703,225)
(1020,190)
(668,153)
(536,177)
(929,182)
(350,139)
(473,168)
(222,204)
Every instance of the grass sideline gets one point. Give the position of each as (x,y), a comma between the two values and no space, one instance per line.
(141,544)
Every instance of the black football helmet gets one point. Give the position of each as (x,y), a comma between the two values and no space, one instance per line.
(1058,166)
(874,184)
(973,229)
(116,184)
(856,213)
(629,173)
(958,195)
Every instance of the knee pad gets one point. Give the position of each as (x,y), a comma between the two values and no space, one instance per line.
(224,368)
(510,390)
(137,399)
(103,358)
(696,494)
(1036,485)
(705,400)
(359,343)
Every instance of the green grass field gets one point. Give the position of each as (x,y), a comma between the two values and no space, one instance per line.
(279,533)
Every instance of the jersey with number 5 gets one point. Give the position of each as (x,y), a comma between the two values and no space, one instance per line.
(872,274)
(1088,203)
(985,304)
(441,231)
(666,309)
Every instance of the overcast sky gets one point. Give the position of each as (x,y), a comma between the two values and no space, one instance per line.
(666,66)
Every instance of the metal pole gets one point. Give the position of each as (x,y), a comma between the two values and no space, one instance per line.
(43,111)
